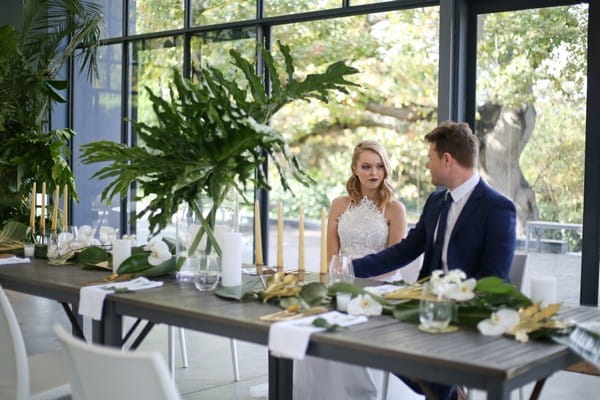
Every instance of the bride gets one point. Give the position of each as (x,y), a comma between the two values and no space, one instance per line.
(364,221)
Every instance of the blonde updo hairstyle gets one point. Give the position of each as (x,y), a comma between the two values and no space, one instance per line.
(385,192)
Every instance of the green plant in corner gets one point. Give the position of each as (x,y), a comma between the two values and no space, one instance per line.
(52,32)
(212,136)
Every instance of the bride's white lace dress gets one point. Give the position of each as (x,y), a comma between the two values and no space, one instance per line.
(362,230)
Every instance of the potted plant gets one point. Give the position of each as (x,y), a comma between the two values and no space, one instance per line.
(211,136)
(30,60)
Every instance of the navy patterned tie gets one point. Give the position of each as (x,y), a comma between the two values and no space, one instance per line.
(436,259)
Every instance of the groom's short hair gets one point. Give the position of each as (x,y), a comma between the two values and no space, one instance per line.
(457,139)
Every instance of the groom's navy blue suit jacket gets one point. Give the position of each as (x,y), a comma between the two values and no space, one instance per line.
(482,242)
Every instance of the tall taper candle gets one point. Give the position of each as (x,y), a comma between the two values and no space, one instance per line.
(323,242)
(65,214)
(301,240)
(43,213)
(258,255)
(280,238)
(55,210)
(32,212)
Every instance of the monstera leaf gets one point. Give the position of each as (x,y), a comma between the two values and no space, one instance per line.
(211,136)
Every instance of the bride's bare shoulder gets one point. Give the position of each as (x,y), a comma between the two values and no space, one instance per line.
(339,204)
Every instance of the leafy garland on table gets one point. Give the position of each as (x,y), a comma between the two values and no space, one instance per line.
(488,301)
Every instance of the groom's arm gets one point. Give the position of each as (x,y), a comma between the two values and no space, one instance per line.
(393,257)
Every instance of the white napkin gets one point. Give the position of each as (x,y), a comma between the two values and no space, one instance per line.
(289,339)
(91,298)
(14,260)
(382,290)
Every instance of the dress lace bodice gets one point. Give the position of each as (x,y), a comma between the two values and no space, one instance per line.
(362,230)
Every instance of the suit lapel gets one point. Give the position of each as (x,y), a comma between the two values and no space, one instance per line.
(470,207)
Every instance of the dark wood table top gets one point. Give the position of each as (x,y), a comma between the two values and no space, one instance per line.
(495,364)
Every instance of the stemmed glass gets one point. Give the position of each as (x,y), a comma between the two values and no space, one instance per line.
(340,269)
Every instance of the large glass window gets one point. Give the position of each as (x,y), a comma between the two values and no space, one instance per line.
(278,7)
(113,17)
(396,104)
(221,11)
(531,112)
(154,15)
(96,116)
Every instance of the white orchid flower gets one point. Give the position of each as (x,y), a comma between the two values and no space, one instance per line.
(499,322)
(364,304)
(131,238)
(107,234)
(85,235)
(455,276)
(462,291)
(159,252)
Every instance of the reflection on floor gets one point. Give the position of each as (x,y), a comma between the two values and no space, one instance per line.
(210,373)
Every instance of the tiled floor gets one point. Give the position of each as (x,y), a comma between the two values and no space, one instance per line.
(210,374)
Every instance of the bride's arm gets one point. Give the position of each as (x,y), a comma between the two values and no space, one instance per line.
(396,215)
(338,205)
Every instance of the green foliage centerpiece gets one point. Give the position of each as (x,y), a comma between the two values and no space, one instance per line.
(210,137)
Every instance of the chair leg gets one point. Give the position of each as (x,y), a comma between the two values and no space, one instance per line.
(234,360)
(183,347)
(384,385)
(171,350)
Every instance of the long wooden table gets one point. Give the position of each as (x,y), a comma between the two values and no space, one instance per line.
(493,364)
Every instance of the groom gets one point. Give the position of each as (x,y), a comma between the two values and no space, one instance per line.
(467,226)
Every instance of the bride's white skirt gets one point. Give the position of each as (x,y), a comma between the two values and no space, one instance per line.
(317,378)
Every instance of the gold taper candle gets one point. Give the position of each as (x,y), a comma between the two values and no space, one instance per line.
(258,255)
(32,211)
(55,210)
(43,212)
(280,238)
(323,242)
(301,240)
(65,214)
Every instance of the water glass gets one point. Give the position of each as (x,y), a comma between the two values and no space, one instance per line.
(340,269)
(29,250)
(435,313)
(207,270)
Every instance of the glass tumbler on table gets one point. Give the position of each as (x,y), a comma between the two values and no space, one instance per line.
(340,269)
(435,312)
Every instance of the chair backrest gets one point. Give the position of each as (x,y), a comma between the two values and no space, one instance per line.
(99,372)
(14,369)
(517,270)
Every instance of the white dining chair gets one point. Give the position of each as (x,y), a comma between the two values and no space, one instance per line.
(100,373)
(35,377)
(184,356)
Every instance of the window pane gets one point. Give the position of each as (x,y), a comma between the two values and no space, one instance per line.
(221,11)
(278,7)
(154,15)
(96,116)
(152,62)
(531,111)
(113,17)
(396,104)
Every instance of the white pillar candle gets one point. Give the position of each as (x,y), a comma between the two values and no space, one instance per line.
(342,300)
(231,257)
(121,249)
(543,289)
